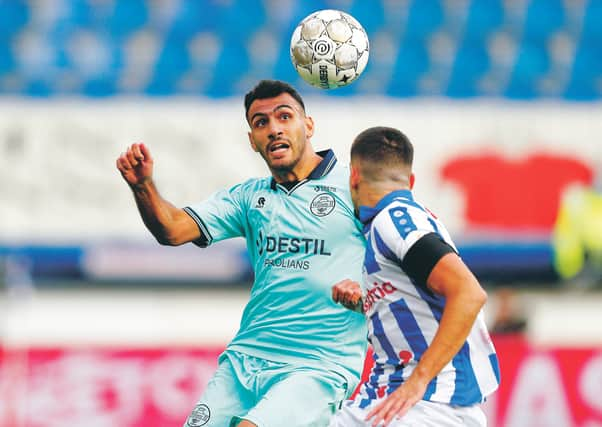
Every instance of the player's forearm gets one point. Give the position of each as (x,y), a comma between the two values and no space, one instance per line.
(158,214)
(458,317)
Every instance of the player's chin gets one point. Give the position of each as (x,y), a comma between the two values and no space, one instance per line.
(281,164)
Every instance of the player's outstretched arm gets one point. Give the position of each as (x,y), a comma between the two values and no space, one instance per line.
(464,299)
(169,224)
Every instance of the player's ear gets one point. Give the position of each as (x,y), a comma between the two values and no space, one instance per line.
(309,126)
(412,179)
(253,146)
(354,176)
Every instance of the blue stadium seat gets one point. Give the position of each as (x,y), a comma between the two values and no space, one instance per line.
(470,64)
(424,17)
(532,63)
(371,14)
(7,61)
(38,88)
(172,63)
(126,17)
(412,62)
(229,69)
(586,74)
(592,23)
(544,17)
(194,17)
(14,14)
(484,17)
(240,19)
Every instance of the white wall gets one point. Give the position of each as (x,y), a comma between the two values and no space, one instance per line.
(57,159)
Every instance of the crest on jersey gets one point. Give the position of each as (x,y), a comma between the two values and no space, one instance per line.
(200,416)
(322,204)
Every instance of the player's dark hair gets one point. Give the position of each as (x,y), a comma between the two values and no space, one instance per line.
(271,89)
(383,145)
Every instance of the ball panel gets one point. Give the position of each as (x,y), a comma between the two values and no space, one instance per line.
(312,29)
(329,14)
(329,49)
(338,30)
(302,53)
(345,56)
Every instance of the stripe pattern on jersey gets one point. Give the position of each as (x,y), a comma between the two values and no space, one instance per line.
(403,316)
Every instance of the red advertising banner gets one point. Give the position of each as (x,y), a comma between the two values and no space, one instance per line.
(58,387)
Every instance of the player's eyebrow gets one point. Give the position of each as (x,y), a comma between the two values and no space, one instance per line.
(278,107)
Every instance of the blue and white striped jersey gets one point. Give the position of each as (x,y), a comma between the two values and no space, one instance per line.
(403,315)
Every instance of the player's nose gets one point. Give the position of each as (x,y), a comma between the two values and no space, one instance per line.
(274,134)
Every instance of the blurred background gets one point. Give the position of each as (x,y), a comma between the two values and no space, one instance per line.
(101,326)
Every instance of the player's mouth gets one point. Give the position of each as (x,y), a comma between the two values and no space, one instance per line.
(278,147)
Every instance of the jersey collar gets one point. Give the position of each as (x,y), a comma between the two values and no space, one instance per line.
(367,214)
(323,168)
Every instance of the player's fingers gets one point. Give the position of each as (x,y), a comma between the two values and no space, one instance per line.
(374,413)
(131,158)
(335,293)
(397,411)
(123,162)
(146,152)
(137,152)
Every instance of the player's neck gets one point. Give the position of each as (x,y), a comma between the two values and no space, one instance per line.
(370,195)
(300,171)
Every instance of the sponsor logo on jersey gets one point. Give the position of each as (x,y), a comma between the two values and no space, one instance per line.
(322,204)
(199,417)
(278,248)
(377,292)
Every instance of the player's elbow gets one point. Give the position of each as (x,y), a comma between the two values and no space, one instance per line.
(166,238)
(478,296)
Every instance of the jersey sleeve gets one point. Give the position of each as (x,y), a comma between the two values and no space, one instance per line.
(219,217)
(411,237)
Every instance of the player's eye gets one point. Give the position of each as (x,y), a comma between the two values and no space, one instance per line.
(259,123)
(285,116)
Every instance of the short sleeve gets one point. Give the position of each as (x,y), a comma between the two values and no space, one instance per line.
(219,217)
(408,235)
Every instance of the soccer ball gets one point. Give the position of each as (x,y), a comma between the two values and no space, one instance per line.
(329,49)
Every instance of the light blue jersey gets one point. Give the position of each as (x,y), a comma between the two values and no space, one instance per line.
(301,242)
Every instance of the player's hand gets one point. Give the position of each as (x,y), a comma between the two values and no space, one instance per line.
(136,165)
(397,404)
(349,294)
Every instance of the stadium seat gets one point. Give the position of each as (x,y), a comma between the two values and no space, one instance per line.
(424,17)
(412,62)
(126,17)
(172,63)
(483,17)
(531,64)
(370,14)
(544,17)
(586,74)
(14,15)
(592,19)
(470,64)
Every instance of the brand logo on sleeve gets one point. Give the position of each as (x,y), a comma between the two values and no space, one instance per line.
(260,203)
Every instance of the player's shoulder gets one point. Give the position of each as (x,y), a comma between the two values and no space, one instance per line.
(399,213)
(252,185)
(337,173)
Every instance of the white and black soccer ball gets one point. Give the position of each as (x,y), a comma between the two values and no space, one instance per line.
(329,49)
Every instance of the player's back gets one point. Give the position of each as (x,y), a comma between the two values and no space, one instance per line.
(404,315)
